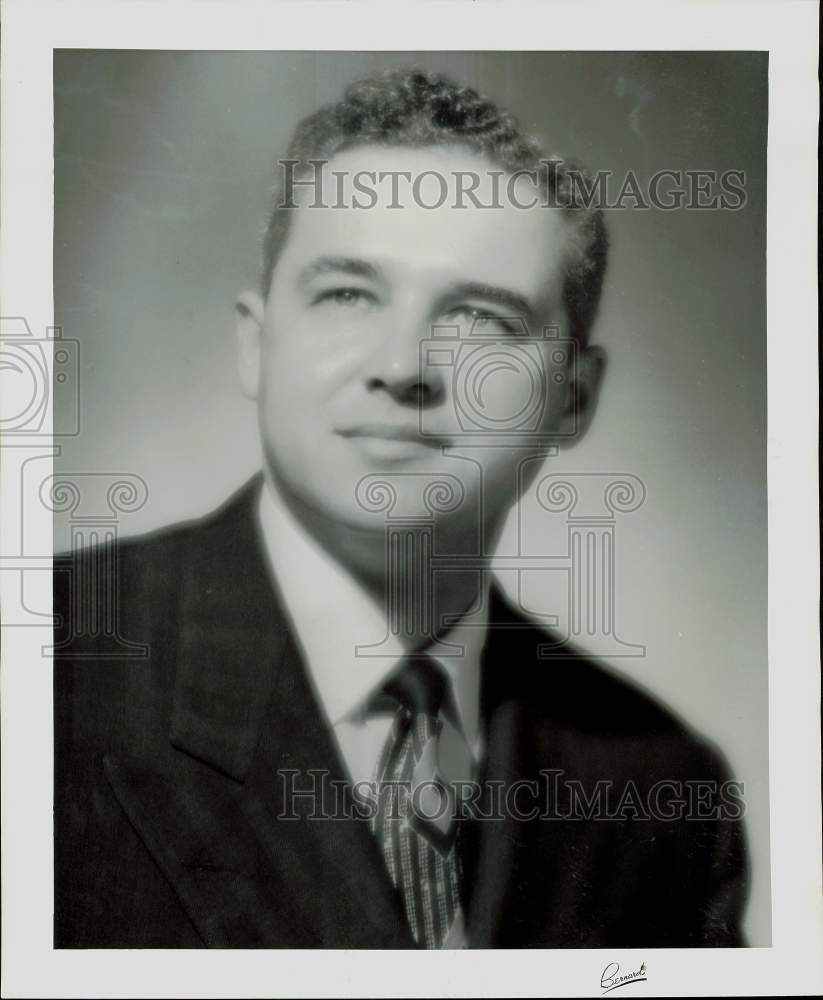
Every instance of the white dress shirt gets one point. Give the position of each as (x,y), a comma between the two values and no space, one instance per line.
(332,615)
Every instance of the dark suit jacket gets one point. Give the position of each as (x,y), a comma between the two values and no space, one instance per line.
(167,792)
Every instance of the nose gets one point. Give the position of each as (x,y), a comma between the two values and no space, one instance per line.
(398,367)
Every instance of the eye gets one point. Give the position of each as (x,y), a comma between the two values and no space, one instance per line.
(480,319)
(345,298)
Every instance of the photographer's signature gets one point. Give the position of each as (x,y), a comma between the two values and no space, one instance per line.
(612,978)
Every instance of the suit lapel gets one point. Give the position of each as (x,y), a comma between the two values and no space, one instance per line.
(349,898)
(495,845)
(530,881)
(232,638)
(244,719)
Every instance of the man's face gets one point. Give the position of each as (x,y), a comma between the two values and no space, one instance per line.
(351,391)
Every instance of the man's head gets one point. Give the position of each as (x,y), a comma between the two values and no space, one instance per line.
(339,349)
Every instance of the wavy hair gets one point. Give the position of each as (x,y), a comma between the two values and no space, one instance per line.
(415,108)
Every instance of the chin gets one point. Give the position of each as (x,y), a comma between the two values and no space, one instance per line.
(365,495)
(376,499)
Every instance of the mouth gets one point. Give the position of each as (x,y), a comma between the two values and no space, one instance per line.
(387,441)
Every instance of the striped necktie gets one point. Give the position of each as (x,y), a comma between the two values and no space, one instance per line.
(415,822)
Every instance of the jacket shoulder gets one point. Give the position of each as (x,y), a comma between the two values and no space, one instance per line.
(590,706)
(111,582)
(117,627)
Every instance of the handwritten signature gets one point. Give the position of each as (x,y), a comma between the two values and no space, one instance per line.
(611,978)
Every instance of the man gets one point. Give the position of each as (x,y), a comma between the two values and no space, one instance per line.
(342,734)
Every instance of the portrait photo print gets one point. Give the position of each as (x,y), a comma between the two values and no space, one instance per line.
(410,500)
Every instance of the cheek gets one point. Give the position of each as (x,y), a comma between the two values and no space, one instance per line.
(509,390)
(511,393)
(303,362)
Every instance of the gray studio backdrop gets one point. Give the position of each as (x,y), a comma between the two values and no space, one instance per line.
(163,165)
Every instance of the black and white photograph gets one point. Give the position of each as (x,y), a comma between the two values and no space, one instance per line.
(402,431)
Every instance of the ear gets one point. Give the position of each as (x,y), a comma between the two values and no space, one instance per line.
(587,372)
(249,311)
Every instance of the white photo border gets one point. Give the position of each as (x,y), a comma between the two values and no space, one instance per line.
(793,964)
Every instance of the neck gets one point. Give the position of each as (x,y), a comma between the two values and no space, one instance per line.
(394,568)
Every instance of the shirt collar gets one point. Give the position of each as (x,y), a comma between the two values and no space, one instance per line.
(342,632)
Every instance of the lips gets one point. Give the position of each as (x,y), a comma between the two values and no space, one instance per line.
(381,442)
(392,432)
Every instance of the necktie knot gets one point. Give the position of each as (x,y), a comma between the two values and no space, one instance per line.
(418,686)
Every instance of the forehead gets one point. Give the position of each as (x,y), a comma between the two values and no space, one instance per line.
(521,248)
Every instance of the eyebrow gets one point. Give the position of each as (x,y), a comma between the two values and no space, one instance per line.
(357,267)
(354,266)
(506,298)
